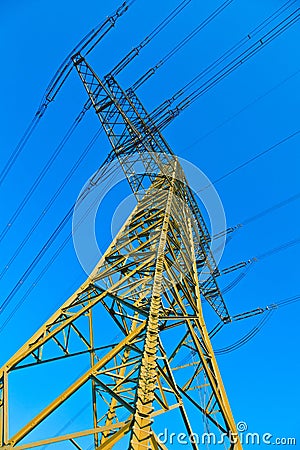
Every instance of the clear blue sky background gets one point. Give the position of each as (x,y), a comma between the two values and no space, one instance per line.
(230,124)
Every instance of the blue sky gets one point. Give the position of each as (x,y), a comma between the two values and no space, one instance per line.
(246,113)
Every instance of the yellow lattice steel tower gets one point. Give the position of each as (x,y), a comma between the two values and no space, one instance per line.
(147,282)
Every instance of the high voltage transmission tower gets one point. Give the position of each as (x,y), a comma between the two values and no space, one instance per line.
(161,369)
(147,281)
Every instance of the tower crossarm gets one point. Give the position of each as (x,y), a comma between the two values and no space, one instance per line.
(131,144)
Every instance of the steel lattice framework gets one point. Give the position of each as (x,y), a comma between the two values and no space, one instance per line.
(148,283)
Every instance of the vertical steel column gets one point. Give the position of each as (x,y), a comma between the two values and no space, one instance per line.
(3,408)
(141,427)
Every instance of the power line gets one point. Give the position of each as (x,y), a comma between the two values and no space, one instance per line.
(286,245)
(273,251)
(257,216)
(86,107)
(136,50)
(34,284)
(15,154)
(180,45)
(247,337)
(287,301)
(222,58)
(44,170)
(237,280)
(234,283)
(40,255)
(226,175)
(279,248)
(271,209)
(163,116)
(250,51)
(233,116)
(151,35)
(252,159)
(256,329)
(36,260)
(87,43)
(259,155)
(51,202)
